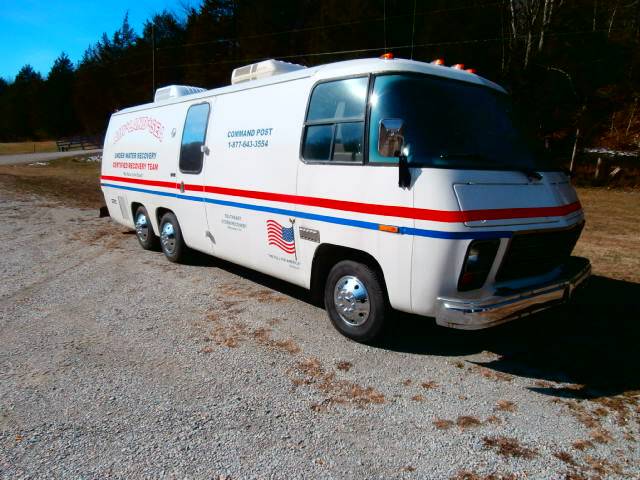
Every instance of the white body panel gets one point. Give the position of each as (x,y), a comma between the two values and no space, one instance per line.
(253,174)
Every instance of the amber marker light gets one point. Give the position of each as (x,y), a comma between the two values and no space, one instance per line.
(388,228)
(387,56)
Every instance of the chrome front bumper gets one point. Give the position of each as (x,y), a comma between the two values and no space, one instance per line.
(506,305)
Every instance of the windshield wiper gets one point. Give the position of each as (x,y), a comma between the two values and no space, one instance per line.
(530,173)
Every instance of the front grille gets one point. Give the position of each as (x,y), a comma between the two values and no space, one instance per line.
(537,253)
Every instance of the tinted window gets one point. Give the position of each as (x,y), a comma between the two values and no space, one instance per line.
(348,142)
(193,136)
(317,145)
(336,100)
(334,128)
(448,124)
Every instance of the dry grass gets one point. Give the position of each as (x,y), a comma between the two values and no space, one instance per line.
(465,422)
(466,475)
(429,385)
(442,424)
(611,238)
(344,366)
(565,457)
(600,435)
(582,445)
(71,181)
(312,373)
(509,447)
(506,406)
(28,147)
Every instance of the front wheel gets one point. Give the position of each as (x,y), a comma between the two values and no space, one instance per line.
(355,300)
(171,240)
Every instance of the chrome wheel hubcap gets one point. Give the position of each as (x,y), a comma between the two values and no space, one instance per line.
(142,227)
(168,238)
(351,300)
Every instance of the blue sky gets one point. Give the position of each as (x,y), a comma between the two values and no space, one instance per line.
(37,31)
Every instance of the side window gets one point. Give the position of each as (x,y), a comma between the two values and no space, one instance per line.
(334,128)
(193,136)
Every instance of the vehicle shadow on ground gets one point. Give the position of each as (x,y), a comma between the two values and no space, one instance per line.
(591,342)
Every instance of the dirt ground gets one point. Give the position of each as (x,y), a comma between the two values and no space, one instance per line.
(117,363)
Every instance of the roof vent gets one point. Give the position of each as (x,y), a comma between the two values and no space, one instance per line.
(175,91)
(264,69)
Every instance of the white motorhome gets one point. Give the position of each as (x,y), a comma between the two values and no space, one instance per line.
(379,184)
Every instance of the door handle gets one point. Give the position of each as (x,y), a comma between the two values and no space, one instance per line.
(172,175)
(181,187)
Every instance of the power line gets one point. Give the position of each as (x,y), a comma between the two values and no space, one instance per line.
(326,27)
(396,47)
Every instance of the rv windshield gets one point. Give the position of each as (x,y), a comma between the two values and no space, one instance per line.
(450,124)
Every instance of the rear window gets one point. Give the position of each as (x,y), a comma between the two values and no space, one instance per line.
(193,137)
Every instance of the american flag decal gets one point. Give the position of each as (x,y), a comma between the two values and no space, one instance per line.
(281,237)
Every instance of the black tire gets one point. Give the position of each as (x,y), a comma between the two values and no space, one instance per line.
(371,323)
(171,240)
(144,231)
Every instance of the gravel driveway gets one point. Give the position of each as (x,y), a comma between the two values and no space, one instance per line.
(117,363)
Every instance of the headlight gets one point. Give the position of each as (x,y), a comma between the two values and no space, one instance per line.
(477,264)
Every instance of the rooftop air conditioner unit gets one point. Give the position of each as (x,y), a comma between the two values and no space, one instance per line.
(264,69)
(175,91)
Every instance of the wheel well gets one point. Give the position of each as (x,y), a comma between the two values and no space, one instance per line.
(134,208)
(160,213)
(327,255)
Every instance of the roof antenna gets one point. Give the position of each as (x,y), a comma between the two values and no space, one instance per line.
(384,15)
(413,28)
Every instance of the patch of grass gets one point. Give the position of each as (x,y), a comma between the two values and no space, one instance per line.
(465,422)
(311,372)
(611,237)
(506,406)
(429,385)
(600,435)
(582,445)
(466,475)
(442,424)
(344,366)
(565,457)
(10,148)
(603,466)
(508,447)
(72,181)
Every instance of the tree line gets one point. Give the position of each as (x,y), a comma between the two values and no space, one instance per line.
(569,64)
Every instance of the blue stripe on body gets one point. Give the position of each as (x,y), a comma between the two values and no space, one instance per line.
(418,232)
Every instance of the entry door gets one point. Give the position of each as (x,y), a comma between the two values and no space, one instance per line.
(190,206)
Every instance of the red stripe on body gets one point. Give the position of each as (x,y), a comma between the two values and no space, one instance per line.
(372,209)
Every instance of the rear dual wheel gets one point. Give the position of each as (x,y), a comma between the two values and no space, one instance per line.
(355,300)
(171,240)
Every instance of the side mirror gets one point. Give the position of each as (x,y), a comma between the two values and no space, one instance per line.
(390,137)
(204,149)
(391,144)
